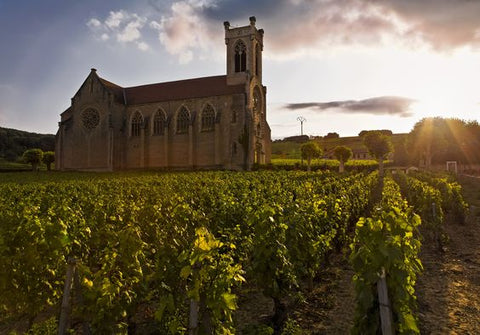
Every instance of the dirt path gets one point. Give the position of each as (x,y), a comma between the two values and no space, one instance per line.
(329,308)
(449,289)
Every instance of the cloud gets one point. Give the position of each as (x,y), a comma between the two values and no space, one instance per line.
(189,28)
(297,25)
(131,32)
(127,27)
(94,23)
(444,24)
(184,30)
(114,19)
(143,46)
(386,105)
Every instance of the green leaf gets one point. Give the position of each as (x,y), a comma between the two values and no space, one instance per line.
(186,272)
(230,300)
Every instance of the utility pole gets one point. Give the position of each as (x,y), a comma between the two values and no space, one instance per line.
(302,120)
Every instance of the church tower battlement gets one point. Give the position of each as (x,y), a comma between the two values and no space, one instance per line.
(244,52)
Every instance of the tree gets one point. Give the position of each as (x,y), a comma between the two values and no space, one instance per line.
(34,157)
(332,135)
(342,154)
(436,140)
(379,146)
(48,158)
(310,150)
(386,132)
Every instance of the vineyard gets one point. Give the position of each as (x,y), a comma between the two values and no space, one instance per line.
(181,252)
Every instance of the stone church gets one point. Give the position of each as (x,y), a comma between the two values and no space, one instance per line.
(203,123)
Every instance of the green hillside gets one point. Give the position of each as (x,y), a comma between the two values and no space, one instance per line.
(14,142)
(291,150)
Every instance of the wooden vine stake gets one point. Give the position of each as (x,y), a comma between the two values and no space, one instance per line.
(64,311)
(193,319)
(385,308)
(435,229)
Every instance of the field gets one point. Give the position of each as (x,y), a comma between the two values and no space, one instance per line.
(13,166)
(250,253)
(291,150)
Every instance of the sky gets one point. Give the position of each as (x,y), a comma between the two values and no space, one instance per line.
(343,65)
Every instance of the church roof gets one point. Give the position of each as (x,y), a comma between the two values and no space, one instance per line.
(175,90)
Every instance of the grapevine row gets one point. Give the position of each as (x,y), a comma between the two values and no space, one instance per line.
(164,243)
(387,242)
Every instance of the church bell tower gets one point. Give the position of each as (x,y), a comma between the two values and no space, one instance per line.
(244,52)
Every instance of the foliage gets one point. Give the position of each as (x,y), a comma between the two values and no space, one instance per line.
(33,157)
(13,143)
(436,140)
(342,154)
(332,135)
(379,146)
(358,165)
(47,327)
(310,150)
(401,157)
(386,241)
(287,149)
(291,328)
(425,199)
(211,274)
(48,158)
(453,203)
(164,239)
(385,132)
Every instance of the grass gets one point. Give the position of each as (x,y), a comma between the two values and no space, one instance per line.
(291,150)
(13,166)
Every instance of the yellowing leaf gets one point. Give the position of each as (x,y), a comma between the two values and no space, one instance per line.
(229,300)
(87,282)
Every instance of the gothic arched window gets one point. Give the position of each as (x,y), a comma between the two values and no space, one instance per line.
(136,125)
(183,121)
(240,57)
(208,118)
(159,121)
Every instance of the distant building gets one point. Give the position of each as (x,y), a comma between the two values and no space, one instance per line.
(211,122)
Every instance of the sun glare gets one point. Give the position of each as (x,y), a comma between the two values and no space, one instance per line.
(442,84)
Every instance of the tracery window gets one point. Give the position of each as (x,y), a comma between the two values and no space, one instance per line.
(208,118)
(136,125)
(90,118)
(183,121)
(240,57)
(159,121)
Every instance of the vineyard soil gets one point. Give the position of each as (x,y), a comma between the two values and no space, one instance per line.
(447,291)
